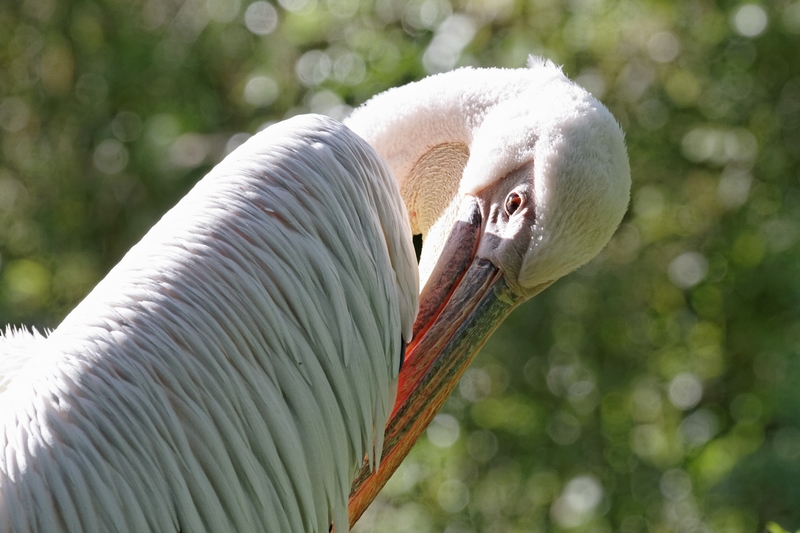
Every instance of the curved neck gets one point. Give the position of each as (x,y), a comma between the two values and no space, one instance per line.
(424,131)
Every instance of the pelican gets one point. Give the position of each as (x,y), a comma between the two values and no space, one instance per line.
(268,335)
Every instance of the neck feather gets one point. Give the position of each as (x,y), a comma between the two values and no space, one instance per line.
(424,130)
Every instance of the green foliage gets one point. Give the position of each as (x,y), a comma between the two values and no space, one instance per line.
(653,390)
(772,527)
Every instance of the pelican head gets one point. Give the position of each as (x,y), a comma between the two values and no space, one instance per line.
(514,178)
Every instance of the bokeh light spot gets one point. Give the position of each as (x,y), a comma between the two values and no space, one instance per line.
(564,428)
(235,141)
(313,67)
(260,91)
(663,46)
(162,129)
(110,157)
(676,484)
(452,495)
(14,114)
(448,42)
(475,384)
(719,146)
(734,187)
(261,18)
(786,443)
(578,501)
(687,270)
(750,20)
(298,5)
(791,17)
(189,150)
(685,391)
(126,126)
(443,430)
(699,427)
(592,80)
(648,441)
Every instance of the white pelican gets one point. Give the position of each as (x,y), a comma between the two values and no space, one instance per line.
(235,368)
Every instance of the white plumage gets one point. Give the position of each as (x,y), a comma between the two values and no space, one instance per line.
(231,373)
(233,370)
(507,119)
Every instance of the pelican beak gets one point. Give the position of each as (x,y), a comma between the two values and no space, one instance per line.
(464,300)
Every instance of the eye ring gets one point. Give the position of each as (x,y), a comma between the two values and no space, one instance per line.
(514,201)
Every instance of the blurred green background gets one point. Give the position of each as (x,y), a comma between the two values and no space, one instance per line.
(656,389)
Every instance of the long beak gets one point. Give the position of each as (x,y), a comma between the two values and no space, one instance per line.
(462,303)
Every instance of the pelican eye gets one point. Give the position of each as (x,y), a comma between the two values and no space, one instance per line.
(513,202)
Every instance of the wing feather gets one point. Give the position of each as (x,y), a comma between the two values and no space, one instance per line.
(233,370)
